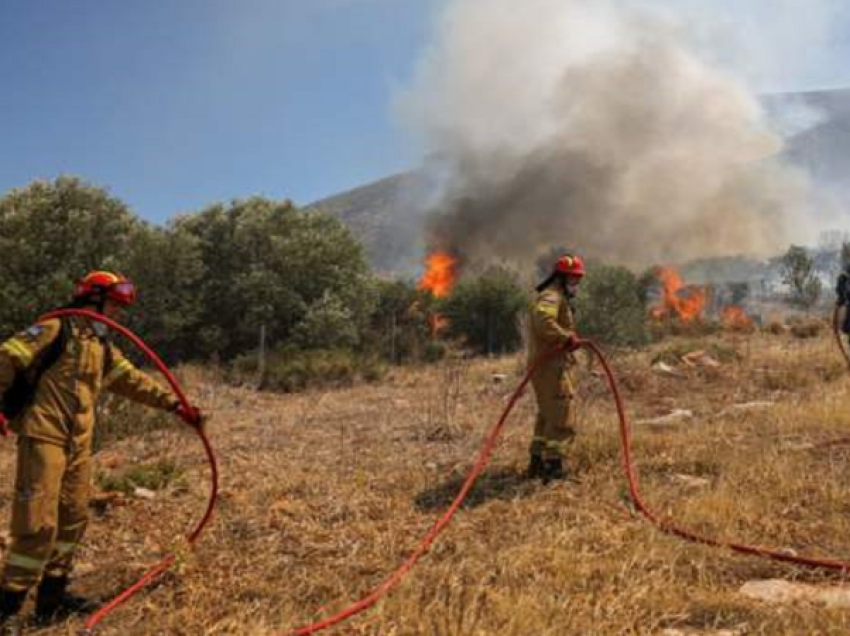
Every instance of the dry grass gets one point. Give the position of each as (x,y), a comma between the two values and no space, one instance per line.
(326,493)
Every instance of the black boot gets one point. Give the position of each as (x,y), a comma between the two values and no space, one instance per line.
(535,467)
(553,470)
(10,607)
(55,603)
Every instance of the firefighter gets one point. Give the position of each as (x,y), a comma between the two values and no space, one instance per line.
(842,289)
(54,446)
(552,340)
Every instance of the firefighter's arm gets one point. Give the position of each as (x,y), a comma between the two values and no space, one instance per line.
(20,351)
(545,319)
(124,379)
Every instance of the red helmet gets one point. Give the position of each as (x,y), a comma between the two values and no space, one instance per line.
(571,265)
(99,286)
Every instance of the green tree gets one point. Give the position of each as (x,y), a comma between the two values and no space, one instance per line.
(484,311)
(328,324)
(798,272)
(165,264)
(51,234)
(611,306)
(267,263)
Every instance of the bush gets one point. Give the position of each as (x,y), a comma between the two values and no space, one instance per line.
(798,272)
(154,476)
(483,311)
(328,324)
(611,307)
(811,328)
(290,369)
(776,328)
(399,329)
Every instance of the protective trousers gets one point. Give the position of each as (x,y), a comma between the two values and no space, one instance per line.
(555,389)
(49,512)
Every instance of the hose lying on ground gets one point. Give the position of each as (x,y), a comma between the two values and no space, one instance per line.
(665,525)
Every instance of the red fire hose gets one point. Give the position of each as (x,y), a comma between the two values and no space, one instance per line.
(665,525)
(166,563)
(395,578)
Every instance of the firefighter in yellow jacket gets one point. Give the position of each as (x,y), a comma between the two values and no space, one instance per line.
(50,504)
(552,329)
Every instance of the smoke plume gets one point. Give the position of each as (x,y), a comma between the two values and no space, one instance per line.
(598,127)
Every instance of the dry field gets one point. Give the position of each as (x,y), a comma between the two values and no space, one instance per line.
(325,493)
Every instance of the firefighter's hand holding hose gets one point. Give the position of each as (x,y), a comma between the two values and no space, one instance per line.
(572,344)
(192,415)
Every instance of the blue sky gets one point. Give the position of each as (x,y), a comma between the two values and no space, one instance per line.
(175,104)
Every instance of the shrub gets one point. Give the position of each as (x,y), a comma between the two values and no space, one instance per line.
(290,369)
(399,329)
(153,476)
(807,328)
(483,311)
(611,307)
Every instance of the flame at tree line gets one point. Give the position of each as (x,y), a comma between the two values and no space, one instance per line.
(439,278)
(683,302)
(687,303)
(735,317)
(440,273)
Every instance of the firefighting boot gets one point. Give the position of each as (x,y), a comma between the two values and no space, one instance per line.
(553,470)
(55,603)
(10,607)
(535,467)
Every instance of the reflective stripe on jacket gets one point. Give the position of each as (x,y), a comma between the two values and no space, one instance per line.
(551,322)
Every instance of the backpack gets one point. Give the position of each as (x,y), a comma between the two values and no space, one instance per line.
(21,392)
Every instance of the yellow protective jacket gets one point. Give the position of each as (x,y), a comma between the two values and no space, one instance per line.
(62,411)
(551,324)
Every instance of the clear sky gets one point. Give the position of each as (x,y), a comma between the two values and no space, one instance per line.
(175,104)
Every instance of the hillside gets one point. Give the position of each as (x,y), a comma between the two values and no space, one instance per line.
(323,494)
(383,215)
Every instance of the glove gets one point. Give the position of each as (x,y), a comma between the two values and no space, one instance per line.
(4,426)
(191,415)
(572,344)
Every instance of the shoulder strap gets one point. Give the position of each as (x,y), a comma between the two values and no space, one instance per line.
(107,356)
(52,354)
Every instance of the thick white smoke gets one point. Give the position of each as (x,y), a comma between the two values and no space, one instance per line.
(597,126)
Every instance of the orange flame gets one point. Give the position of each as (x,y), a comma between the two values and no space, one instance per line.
(734,317)
(440,273)
(686,302)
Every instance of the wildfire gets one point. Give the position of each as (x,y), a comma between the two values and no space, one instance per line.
(439,278)
(686,302)
(733,317)
(440,273)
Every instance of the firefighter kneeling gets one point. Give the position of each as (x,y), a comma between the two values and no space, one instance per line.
(67,362)
(552,338)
